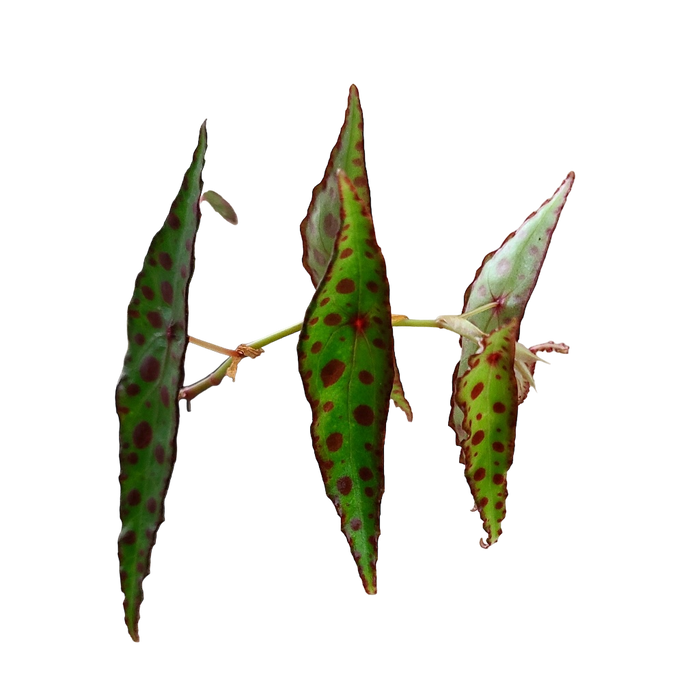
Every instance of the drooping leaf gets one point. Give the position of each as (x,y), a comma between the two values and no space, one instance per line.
(398,395)
(488,396)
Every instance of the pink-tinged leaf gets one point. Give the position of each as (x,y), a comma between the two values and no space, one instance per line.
(508,276)
(322,223)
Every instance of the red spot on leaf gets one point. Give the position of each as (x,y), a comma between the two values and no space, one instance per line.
(128,538)
(364,415)
(332,319)
(476,391)
(499,407)
(498,446)
(478,437)
(332,371)
(360,323)
(155,319)
(479,475)
(149,369)
(345,286)
(142,435)
(334,442)
(493,358)
(365,473)
(344,485)
(498,479)
(167,292)
(165,261)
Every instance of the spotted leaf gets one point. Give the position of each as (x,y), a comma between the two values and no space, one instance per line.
(221,206)
(488,396)
(346,360)
(147,393)
(508,273)
(321,220)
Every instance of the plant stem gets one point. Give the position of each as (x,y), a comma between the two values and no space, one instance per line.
(216,377)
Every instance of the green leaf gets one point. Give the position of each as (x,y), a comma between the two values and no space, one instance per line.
(153,373)
(346,360)
(509,273)
(222,207)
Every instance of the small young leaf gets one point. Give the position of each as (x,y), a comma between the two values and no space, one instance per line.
(398,395)
(222,207)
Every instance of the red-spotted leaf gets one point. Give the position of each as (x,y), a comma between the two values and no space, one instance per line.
(508,273)
(147,393)
(488,396)
(321,220)
(346,360)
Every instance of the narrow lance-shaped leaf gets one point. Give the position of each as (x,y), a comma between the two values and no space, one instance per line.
(508,276)
(346,359)
(147,393)
(322,223)
(488,396)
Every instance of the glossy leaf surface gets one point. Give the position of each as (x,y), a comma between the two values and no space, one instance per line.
(221,206)
(346,360)
(321,221)
(153,373)
(509,272)
(488,396)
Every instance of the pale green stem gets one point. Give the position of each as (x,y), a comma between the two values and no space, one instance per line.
(219,373)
